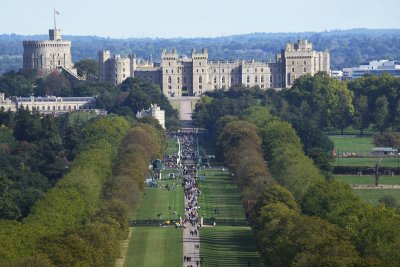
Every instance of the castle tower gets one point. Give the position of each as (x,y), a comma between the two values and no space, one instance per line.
(200,72)
(104,67)
(299,59)
(172,77)
(50,55)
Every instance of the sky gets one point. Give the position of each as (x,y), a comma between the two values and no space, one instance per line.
(187,18)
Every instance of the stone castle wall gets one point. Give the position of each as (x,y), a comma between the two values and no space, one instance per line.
(192,76)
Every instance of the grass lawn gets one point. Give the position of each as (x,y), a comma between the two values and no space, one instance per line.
(373,195)
(172,147)
(228,246)
(367,179)
(369,162)
(155,246)
(219,192)
(352,144)
(159,200)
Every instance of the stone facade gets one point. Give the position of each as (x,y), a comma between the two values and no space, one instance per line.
(192,76)
(50,55)
(49,104)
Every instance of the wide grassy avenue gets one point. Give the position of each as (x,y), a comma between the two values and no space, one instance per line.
(224,245)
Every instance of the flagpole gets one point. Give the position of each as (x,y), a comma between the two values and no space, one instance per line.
(54,14)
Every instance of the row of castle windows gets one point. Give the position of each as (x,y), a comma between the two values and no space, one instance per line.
(305,69)
(65,107)
(299,57)
(305,62)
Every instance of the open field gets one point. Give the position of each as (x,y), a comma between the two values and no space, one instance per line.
(155,246)
(367,162)
(219,193)
(352,143)
(367,179)
(161,200)
(373,195)
(228,246)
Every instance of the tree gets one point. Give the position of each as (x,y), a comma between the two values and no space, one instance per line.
(388,201)
(88,68)
(381,113)
(361,113)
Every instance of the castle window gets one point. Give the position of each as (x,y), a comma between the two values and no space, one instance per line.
(48,107)
(270,79)
(292,62)
(215,79)
(166,71)
(169,87)
(215,70)
(202,70)
(199,63)
(169,64)
(255,69)
(223,79)
(223,70)
(59,62)
(292,69)
(256,79)
(200,79)
(169,79)
(305,69)
(200,86)
(178,80)
(197,70)
(177,70)
(248,78)
(262,85)
(172,71)
(305,62)
(262,78)
(54,107)
(262,70)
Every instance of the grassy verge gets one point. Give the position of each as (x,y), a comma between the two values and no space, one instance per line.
(172,147)
(219,198)
(352,144)
(228,246)
(155,246)
(368,162)
(372,196)
(367,179)
(163,199)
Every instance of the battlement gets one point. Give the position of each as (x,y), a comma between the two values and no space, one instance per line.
(301,45)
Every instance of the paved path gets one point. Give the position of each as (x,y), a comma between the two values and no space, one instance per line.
(191,230)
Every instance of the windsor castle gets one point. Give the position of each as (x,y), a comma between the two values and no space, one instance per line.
(192,76)
(181,76)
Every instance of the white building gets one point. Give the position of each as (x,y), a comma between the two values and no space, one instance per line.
(375,67)
(48,105)
(155,112)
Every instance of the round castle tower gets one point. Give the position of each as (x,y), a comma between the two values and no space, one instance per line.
(47,56)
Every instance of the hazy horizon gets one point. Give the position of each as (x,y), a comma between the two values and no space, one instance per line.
(208,19)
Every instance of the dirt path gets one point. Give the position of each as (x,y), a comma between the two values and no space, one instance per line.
(123,249)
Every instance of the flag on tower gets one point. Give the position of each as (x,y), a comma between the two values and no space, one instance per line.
(57,13)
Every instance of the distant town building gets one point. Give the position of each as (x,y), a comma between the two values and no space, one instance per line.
(192,76)
(375,67)
(384,151)
(155,112)
(49,104)
(50,55)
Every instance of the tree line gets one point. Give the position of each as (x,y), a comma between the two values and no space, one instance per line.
(80,221)
(299,216)
(125,99)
